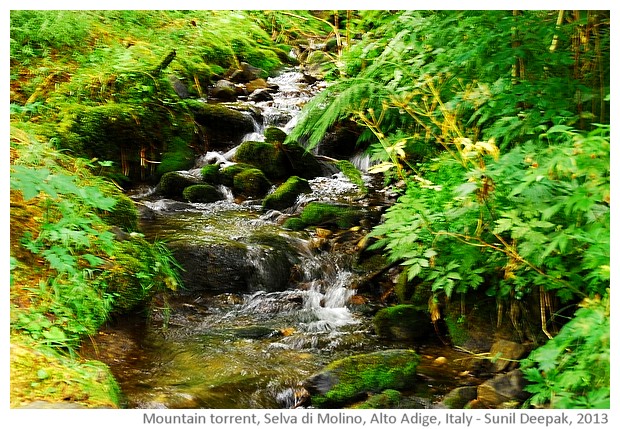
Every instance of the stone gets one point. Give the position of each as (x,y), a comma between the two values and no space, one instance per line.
(324,214)
(223,125)
(179,87)
(352,378)
(201,193)
(402,323)
(172,184)
(224,90)
(303,163)
(504,353)
(263,94)
(503,388)
(255,84)
(251,183)
(247,73)
(269,158)
(458,398)
(286,194)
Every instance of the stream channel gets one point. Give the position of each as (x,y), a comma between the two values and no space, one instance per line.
(258,332)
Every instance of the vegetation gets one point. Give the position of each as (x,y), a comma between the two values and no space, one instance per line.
(498,125)
(492,126)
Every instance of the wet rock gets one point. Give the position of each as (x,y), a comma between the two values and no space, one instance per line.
(389,398)
(303,163)
(254,332)
(286,194)
(251,183)
(201,194)
(402,323)
(325,214)
(263,94)
(172,184)
(255,84)
(347,380)
(224,126)
(179,87)
(274,135)
(505,353)
(265,156)
(458,398)
(224,90)
(502,388)
(247,73)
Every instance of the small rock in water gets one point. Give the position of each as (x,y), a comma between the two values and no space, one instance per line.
(440,361)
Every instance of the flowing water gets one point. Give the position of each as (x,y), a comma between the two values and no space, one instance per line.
(250,339)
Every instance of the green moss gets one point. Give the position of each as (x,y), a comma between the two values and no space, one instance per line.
(457,330)
(38,374)
(389,398)
(274,135)
(286,194)
(124,214)
(294,224)
(211,174)
(302,162)
(267,157)
(402,322)
(317,213)
(177,155)
(201,193)
(216,116)
(251,183)
(227,174)
(355,376)
(403,288)
(172,184)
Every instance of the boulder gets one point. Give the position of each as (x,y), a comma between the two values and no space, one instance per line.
(224,126)
(340,215)
(458,398)
(227,174)
(263,94)
(251,183)
(402,323)
(224,90)
(274,135)
(286,194)
(353,378)
(172,184)
(255,84)
(266,156)
(202,193)
(504,355)
(179,87)
(389,398)
(303,163)
(503,388)
(211,174)
(247,73)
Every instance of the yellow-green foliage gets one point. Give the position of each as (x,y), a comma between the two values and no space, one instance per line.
(38,374)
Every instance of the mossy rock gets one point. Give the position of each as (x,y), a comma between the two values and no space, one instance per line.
(303,163)
(342,216)
(352,378)
(251,183)
(202,193)
(227,174)
(294,224)
(211,174)
(177,155)
(389,398)
(223,124)
(172,184)
(286,194)
(124,214)
(274,135)
(402,323)
(266,156)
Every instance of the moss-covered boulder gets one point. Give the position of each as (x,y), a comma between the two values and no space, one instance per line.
(211,174)
(342,216)
(224,126)
(389,398)
(202,193)
(227,174)
(251,183)
(176,155)
(286,194)
(402,323)
(274,135)
(294,224)
(172,184)
(352,378)
(302,162)
(266,156)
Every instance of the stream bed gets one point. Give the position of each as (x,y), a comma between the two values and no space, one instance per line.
(264,308)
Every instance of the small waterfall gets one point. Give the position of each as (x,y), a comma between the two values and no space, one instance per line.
(226,192)
(257,134)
